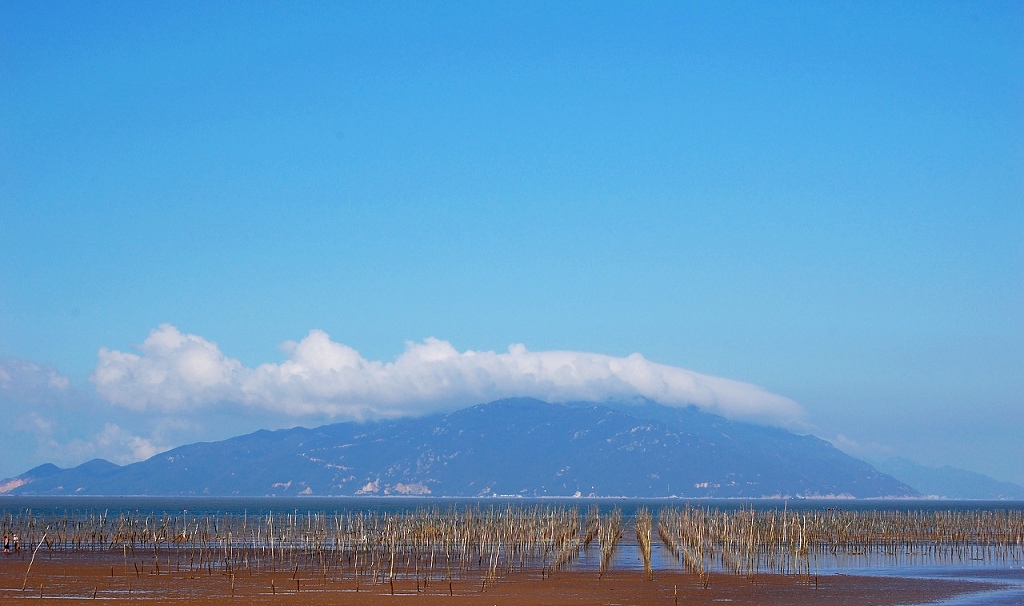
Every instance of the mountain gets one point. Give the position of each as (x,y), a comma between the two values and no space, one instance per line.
(521,447)
(46,470)
(949,482)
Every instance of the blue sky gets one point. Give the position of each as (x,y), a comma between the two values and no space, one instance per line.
(824,200)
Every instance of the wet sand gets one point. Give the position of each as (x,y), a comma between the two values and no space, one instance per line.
(72,579)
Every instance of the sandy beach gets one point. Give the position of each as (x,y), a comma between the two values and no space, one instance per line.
(98,578)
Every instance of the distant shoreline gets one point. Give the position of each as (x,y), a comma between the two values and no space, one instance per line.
(803,501)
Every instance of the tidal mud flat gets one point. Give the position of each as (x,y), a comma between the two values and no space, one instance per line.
(101,578)
(513,554)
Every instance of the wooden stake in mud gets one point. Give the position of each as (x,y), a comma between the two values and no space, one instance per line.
(34,552)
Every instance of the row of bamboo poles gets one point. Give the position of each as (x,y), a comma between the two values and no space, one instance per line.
(748,541)
(426,545)
(436,544)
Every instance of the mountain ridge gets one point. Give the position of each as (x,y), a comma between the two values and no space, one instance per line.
(514,447)
(948,482)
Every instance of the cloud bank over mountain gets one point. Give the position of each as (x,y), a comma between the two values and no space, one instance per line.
(177,372)
(47,415)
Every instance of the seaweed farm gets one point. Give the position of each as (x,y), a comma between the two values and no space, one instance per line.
(749,542)
(438,544)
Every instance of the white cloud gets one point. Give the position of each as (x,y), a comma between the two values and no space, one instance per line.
(122,446)
(113,443)
(177,371)
(870,450)
(29,383)
(34,423)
